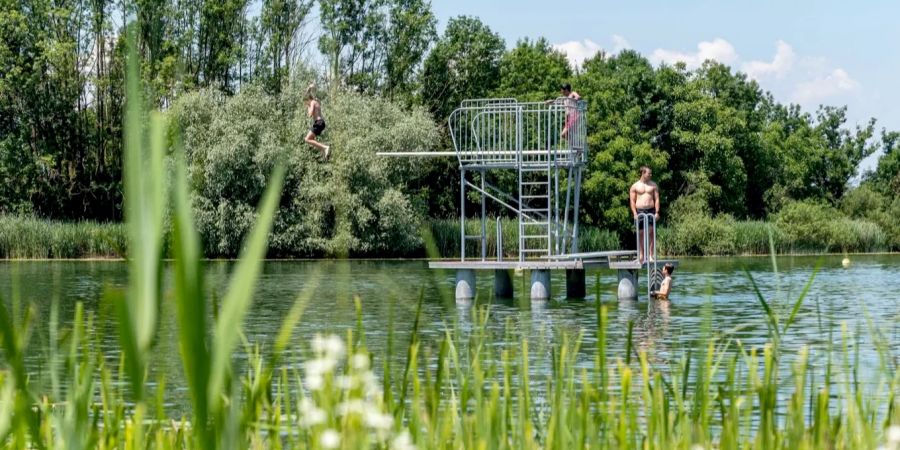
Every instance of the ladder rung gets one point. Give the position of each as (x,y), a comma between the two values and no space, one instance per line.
(534,183)
(536,236)
(473,236)
(535,196)
(534,250)
(535,223)
(534,210)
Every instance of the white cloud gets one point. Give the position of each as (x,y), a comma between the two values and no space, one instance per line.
(803,79)
(781,64)
(578,51)
(717,50)
(835,83)
(620,43)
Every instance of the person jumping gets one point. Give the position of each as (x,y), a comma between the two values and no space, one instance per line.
(314,111)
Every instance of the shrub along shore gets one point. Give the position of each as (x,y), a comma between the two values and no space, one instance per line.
(31,238)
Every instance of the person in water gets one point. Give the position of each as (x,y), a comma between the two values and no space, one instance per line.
(314,111)
(645,204)
(666,286)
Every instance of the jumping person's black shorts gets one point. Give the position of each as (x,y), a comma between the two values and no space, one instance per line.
(318,127)
(650,219)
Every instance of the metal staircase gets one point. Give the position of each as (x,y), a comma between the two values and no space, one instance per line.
(545,144)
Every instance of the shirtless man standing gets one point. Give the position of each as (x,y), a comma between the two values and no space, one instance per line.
(645,200)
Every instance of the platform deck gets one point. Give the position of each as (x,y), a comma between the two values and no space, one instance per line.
(594,255)
(592,263)
(633,264)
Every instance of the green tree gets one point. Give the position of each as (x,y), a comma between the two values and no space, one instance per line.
(532,71)
(817,157)
(355,204)
(465,63)
(353,41)
(219,39)
(412,30)
(886,177)
(279,25)
(623,125)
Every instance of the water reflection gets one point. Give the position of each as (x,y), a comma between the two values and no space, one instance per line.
(390,292)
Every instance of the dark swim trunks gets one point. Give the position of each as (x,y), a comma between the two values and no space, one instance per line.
(318,127)
(650,220)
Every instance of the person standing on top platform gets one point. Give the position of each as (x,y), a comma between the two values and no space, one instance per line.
(570,102)
(314,111)
(645,204)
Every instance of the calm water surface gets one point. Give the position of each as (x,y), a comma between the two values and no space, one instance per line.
(716,288)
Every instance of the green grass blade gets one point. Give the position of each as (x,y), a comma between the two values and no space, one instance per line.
(799,301)
(772,320)
(190,300)
(240,290)
(145,203)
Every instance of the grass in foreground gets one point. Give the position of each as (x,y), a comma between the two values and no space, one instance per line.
(464,391)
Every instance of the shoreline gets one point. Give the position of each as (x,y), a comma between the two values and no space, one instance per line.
(401,259)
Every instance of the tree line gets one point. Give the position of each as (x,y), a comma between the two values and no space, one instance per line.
(719,145)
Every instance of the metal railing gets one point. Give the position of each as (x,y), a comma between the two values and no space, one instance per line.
(543,142)
(647,246)
(503,132)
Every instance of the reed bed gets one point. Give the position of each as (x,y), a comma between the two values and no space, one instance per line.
(465,389)
(33,238)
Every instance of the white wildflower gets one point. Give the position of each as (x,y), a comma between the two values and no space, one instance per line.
(331,346)
(351,407)
(314,382)
(344,382)
(313,416)
(360,361)
(893,434)
(403,441)
(370,384)
(320,366)
(697,447)
(377,420)
(330,439)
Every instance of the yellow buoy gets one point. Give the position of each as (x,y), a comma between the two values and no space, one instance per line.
(845,262)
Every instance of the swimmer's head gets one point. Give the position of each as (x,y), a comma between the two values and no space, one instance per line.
(565,89)
(668,269)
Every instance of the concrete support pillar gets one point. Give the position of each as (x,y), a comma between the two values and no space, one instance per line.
(628,281)
(575,283)
(503,286)
(540,284)
(465,284)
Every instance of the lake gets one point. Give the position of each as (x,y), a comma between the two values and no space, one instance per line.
(710,296)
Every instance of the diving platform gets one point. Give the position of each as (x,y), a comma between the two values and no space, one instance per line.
(543,147)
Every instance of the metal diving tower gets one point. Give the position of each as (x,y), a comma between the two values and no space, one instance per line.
(543,147)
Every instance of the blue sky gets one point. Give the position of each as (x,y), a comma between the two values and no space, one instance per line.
(806,52)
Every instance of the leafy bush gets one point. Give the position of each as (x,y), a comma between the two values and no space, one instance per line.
(353,204)
(866,203)
(699,234)
(818,228)
(805,225)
